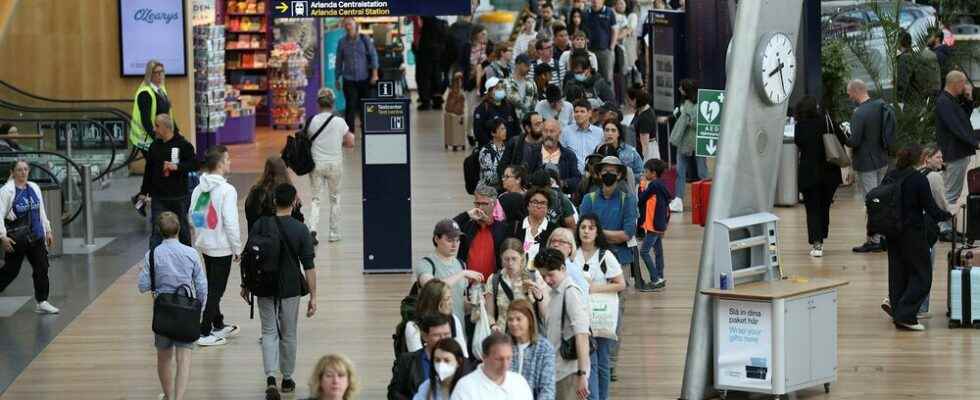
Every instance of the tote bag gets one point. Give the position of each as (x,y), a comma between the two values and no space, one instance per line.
(832,146)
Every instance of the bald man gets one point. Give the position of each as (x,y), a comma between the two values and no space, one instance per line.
(168,161)
(954,133)
(870,156)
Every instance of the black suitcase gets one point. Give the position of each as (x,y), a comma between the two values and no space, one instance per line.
(972,217)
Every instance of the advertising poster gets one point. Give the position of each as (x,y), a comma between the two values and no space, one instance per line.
(744,344)
(152,30)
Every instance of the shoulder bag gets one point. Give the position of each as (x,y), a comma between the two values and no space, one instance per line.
(176,315)
(568,350)
(832,146)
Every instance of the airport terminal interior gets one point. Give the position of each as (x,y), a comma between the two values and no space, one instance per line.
(247,74)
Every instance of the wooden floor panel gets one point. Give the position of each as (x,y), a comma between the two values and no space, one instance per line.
(107,353)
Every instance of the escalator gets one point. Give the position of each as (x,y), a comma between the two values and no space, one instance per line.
(57,137)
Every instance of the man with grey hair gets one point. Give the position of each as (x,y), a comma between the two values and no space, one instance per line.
(168,161)
(954,134)
(482,233)
(870,155)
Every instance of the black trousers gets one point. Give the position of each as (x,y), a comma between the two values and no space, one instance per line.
(354,92)
(909,273)
(817,201)
(429,77)
(37,254)
(217,270)
(177,206)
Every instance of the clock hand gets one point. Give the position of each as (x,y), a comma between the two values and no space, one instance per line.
(782,82)
(778,69)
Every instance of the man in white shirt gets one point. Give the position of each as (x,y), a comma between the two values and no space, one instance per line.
(494,380)
(329,135)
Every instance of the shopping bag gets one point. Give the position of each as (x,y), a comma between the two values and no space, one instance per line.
(833,148)
(482,330)
(605,314)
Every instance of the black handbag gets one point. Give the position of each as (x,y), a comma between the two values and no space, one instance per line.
(176,315)
(567,350)
(20,230)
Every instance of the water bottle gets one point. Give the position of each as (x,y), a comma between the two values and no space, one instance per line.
(723,282)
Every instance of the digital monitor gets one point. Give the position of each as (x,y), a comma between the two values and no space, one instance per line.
(152,30)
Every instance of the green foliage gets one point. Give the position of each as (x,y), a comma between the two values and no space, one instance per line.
(835,72)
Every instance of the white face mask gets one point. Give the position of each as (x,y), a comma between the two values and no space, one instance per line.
(445,370)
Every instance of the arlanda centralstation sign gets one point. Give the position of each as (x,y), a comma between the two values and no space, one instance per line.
(367,8)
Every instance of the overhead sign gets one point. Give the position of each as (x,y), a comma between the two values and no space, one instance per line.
(367,8)
(744,343)
(710,105)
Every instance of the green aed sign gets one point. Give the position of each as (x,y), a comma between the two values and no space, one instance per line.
(710,105)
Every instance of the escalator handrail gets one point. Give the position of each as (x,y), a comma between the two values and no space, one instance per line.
(39,97)
(105,133)
(42,110)
(67,160)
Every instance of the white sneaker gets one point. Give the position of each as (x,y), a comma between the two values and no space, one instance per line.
(46,308)
(211,340)
(229,331)
(911,327)
(816,252)
(334,237)
(676,205)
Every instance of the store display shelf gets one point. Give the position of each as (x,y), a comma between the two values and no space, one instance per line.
(247,68)
(246,49)
(239,31)
(245,14)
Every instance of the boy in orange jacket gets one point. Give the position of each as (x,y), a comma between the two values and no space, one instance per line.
(654,217)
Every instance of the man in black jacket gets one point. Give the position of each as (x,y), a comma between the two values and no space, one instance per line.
(412,368)
(482,234)
(954,133)
(430,74)
(554,155)
(519,148)
(870,155)
(168,161)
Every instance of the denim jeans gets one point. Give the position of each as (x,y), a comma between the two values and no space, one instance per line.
(682,163)
(924,308)
(653,241)
(599,377)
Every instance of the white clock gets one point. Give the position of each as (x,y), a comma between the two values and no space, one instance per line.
(775,67)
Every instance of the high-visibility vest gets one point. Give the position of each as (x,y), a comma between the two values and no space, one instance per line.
(138,137)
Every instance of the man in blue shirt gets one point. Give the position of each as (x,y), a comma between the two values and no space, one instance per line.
(617,210)
(357,68)
(599,23)
(582,137)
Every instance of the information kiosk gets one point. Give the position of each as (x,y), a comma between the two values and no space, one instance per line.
(773,334)
(386,180)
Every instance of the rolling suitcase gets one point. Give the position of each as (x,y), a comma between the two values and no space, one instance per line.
(963,295)
(700,193)
(972,222)
(670,175)
(455,131)
(973,180)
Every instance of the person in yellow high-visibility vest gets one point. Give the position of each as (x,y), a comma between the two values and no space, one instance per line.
(150,100)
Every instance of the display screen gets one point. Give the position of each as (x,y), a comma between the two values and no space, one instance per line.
(152,30)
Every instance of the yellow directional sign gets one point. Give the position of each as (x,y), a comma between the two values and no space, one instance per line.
(282,7)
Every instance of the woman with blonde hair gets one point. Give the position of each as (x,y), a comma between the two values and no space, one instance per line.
(514,281)
(333,379)
(534,356)
(435,297)
(563,240)
(151,99)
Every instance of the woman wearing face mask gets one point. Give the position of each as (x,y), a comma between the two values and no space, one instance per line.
(605,275)
(613,138)
(447,368)
(434,297)
(513,282)
(333,379)
(494,106)
(534,356)
(491,153)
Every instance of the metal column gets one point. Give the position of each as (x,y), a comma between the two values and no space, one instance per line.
(89,222)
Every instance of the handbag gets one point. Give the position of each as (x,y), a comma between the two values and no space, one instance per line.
(482,330)
(832,146)
(568,350)
(20,230)
(176,315)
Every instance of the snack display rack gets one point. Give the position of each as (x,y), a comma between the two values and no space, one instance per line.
(288,85)
(209,77)
(247,25)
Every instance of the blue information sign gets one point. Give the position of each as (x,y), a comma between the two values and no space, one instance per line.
(367,8)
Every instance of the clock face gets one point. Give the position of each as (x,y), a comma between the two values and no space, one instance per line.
(775,67)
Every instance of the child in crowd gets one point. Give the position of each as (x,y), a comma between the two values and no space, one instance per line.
(654,217)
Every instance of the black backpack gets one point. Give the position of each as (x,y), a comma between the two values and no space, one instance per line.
(884,205)
(888,123)
(260,256)
(298,152)
(471,170)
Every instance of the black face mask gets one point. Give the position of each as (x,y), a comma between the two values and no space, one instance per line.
(609,179)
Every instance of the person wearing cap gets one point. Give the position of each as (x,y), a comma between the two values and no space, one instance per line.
(494,105)
(357,68)
(482,234)
(519,148)
(582,137)
(555,153)
(618,212)
(331,135)
(554,106)
(595,88)
(522,92)
(444,265)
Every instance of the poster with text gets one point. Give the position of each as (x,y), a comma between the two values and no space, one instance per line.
(152,30)
(744,344)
